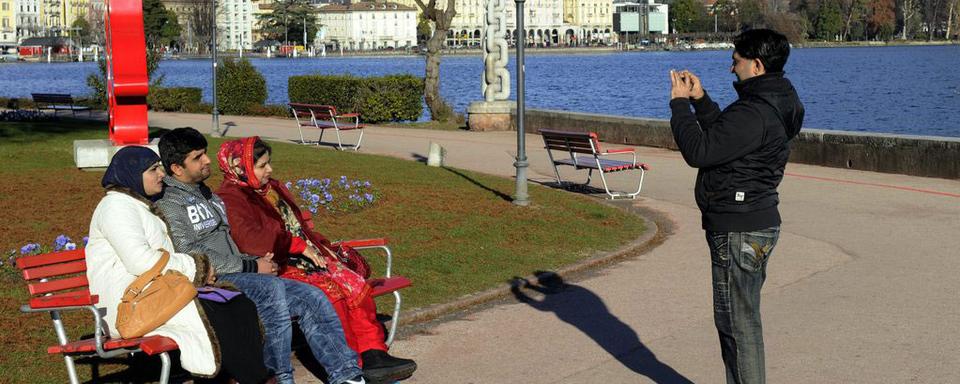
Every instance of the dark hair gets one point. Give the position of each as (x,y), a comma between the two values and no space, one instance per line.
(260,148)
(767,45)
(177,144)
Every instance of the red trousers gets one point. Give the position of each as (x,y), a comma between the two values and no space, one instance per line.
(360,325)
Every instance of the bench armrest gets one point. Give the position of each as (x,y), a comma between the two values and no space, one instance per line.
(380,243)
(621,151)
(99,334)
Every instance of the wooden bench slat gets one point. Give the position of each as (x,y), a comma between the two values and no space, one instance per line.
(49,258)
(385,286)
(68,299)
(150,345)
(55,270)
(58,285)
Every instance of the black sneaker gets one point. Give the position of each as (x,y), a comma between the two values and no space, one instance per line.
(379,367)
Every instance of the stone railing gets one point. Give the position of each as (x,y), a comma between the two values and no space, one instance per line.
(910,155)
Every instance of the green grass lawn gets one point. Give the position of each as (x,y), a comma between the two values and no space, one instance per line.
(453,232)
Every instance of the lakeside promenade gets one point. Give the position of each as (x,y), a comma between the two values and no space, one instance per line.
(862,287)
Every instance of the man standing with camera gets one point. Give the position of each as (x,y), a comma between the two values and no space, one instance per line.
(740,154)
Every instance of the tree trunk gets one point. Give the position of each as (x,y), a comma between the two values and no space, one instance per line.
(432,80)
(950,19)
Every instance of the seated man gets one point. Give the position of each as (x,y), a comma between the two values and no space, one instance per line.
(197,222)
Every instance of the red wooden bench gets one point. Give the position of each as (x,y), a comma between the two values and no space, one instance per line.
(572,143)
(325,117)
(382,285)
(58,282)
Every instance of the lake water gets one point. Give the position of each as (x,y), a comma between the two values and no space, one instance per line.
(904,90)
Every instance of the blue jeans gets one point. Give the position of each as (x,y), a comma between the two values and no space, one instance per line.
(277,300)
(739,268)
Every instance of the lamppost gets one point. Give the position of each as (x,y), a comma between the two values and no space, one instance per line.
(520,197)
(213,56)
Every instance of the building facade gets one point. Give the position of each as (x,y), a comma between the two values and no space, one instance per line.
(8,23)
(29,22)
(641,19)
(369,25)
(547,22)
(235,24)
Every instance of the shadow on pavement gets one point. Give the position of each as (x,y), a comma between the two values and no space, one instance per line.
(586,311)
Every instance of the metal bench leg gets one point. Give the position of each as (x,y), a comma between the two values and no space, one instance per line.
(320,139)
(605,188)
(164,368)
(62,339)
(639,185)
(339,142)
(357,147)
(396,318)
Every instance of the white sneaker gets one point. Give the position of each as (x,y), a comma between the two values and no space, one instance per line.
(356,380)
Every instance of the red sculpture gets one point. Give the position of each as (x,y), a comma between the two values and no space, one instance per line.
(127,82)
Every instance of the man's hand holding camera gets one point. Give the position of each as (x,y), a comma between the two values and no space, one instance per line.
(684,84)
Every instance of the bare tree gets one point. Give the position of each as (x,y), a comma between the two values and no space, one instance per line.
(952,16)
(96,19)
(200,21)
(440,18)
(908,10)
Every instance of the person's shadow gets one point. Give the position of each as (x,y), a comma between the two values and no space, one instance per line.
(585,310)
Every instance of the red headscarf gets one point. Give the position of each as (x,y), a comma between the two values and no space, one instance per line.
(240,149)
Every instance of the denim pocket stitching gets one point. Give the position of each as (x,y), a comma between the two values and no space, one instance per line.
(720,254)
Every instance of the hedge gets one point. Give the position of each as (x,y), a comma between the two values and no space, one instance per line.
(239,87)
(376,99)
(179,99)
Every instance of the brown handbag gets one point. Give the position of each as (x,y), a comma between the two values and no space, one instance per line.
(153,299)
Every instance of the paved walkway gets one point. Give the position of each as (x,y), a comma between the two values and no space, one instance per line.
(862,287)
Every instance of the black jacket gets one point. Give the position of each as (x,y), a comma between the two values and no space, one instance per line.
(740,152)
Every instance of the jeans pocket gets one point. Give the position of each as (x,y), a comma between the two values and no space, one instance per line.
(756,247)
(719,248)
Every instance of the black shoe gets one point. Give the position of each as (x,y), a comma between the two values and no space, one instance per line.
(380,367)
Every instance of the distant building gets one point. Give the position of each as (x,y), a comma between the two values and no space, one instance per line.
(28,23)
(235,20)
(641,19)
(548,22)
(369,25)
(543,22)
(8,23)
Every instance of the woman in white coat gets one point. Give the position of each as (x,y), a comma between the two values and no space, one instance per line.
(126,239)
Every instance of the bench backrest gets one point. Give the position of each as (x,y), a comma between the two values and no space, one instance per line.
(52,98)
(579,142)
(56,279)
(319,112)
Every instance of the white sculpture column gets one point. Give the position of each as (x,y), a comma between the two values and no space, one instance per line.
(493,113)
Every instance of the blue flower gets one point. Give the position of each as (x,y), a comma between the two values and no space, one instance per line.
(313,210)
(327,196)
(29,248)
(326,181)
(315,183)
(289,185)
(315,199)
(86,239)
(69,246)
(366,184)
(369,197)
(60,242)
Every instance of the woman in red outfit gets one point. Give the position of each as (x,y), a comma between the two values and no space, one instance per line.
(264,218)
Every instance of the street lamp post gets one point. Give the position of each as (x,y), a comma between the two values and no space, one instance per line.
(520,197)
(213,56)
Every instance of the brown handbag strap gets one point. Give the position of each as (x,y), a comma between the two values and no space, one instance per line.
(137,285)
